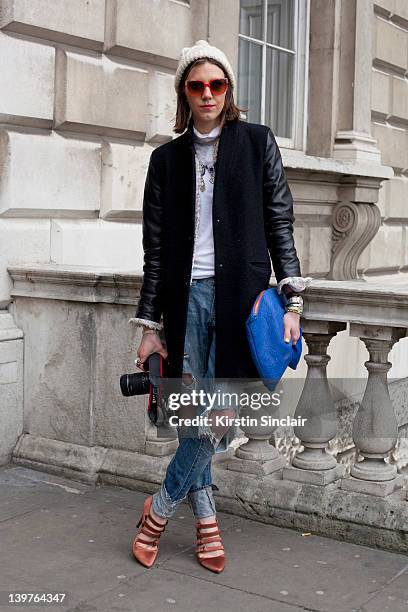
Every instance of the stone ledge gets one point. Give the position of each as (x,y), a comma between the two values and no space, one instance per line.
(329,510)
(298,160)
(75,283)
(356,301)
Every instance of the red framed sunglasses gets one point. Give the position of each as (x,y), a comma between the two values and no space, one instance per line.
(217,87)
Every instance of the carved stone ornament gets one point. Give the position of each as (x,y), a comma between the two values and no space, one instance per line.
(354,226)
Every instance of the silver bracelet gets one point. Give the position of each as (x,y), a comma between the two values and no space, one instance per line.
(295,299)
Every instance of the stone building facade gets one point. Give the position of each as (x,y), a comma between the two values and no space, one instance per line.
(86,95)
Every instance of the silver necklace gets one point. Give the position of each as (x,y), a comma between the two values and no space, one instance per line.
(208,166)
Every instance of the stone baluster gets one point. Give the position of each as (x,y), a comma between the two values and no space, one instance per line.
(315,464)
(257,455)
(375,427)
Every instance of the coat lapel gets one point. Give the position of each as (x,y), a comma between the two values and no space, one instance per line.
(227,151)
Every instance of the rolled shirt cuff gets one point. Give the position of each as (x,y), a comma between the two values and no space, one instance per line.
(146,323)
(297,283)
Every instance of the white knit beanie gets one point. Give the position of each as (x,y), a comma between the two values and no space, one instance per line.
(202,49)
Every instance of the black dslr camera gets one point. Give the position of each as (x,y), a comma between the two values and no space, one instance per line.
(150,381)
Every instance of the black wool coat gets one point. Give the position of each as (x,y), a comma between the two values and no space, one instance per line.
(252,225)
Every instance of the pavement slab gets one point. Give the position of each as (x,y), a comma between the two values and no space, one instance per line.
(166,590)
(60,535)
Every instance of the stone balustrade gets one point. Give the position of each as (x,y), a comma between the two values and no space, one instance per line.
(378,315)
(77,343)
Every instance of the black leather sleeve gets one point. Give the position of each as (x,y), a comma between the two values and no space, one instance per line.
(278,213)
(150,303)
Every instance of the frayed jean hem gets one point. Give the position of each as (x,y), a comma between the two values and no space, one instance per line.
(205,431)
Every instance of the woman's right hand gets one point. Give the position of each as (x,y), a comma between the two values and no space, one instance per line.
(150,344)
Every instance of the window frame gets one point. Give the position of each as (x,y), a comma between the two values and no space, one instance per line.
(300,86)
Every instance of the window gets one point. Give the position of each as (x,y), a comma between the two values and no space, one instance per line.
(272,65)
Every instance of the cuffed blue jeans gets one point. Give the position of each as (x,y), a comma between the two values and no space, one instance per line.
(189,472)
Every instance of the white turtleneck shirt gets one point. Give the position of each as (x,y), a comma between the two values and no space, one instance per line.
(203,259)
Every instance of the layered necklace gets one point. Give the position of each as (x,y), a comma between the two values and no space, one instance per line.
(209,166)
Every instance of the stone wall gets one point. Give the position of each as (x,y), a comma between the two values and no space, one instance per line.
(11,385)
(87,94)
(390,127)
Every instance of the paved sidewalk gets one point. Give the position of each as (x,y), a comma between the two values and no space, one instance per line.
(58,535)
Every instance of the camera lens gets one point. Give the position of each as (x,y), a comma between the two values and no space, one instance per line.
(137,383)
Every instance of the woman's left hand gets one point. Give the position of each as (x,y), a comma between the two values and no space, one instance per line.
(291,324)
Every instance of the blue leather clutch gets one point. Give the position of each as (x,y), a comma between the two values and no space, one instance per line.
(264,327)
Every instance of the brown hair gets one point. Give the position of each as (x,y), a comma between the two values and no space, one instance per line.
(230,113)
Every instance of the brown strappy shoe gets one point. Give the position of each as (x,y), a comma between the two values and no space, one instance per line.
(217,563)
(147,556)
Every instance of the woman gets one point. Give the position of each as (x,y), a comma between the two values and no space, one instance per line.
(216,204)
